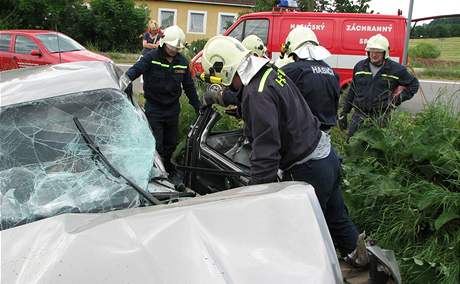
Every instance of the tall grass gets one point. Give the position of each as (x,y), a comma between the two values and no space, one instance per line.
(402,185)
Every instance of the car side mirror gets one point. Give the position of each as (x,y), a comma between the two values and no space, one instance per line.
(36,53)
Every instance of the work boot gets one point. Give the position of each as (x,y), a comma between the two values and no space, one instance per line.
(359,257)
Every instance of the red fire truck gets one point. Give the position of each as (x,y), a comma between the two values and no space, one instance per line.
(343,34)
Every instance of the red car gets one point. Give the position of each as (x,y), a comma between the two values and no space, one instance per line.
(24,48)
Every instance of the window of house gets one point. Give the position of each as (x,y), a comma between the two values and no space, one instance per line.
(224,21)
(258,27)
(196,22)
(5,42)
(24,45)
(167,17)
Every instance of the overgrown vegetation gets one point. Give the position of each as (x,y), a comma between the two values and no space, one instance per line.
(402,185)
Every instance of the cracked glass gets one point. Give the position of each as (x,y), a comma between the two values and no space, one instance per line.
(46,168)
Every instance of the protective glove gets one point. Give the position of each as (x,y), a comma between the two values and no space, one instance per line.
(396,95)
(343,121)
(213,95)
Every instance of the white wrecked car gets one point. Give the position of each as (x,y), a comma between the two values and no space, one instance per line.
(76,158)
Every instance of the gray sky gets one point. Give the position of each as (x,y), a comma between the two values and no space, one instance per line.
(422,8)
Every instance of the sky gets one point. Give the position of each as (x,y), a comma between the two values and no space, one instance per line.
(421,9)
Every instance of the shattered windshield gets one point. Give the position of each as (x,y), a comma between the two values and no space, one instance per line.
(46,168)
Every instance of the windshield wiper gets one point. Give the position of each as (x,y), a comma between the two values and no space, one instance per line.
(89,141)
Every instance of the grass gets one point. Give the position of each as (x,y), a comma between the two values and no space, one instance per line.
(446,66)
(448,46)
(437,69)
(122,58)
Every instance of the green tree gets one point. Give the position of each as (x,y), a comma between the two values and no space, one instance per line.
(116,24)
(343,6)
(352,6)
(307,5)
(264,5)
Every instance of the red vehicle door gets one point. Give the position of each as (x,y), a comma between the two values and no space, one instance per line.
(6,57)
(26,52)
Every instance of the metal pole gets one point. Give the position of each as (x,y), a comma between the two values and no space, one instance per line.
(408,28)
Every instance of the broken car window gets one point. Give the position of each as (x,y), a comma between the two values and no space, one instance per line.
(46,168)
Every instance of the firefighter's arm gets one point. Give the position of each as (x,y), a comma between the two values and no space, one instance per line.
(408,86)
(139,68)
(266,141)
(190,91)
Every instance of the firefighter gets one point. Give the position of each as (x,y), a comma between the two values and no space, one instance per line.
(283,132)
(256,45)
(165,72)
(316,80)
(379,85)
(257,48)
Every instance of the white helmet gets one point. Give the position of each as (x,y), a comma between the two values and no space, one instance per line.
(378,42)
(223,54)
(255,44)
(173,36)
(298,37)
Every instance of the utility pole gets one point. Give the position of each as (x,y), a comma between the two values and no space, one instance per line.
(408,28)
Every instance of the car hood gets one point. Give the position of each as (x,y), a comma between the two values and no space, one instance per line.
(81,55)
(273,233)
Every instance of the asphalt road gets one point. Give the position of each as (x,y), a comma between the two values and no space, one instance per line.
(429,91)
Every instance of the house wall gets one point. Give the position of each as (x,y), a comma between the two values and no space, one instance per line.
(212,15)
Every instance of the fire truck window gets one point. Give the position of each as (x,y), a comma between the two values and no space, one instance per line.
(258,28)
(237,32)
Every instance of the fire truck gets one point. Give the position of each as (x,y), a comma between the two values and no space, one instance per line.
(343,34)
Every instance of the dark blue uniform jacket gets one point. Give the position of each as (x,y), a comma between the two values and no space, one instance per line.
(278,122)
(319,85)
(163,82)
(373,95)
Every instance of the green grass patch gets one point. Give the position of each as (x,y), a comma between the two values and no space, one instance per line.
(123,58)
(437,69)
(448,46)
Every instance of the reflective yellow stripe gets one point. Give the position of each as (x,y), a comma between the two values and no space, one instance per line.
(390,76)
(264,78)
(161,64)
(180,66)
(363,72)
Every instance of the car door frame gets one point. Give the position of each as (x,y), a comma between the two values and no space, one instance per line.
(198,152)
(6,57)
(28,60)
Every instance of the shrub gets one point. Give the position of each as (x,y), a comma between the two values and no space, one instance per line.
(425,50)
(196,46)
(402,185)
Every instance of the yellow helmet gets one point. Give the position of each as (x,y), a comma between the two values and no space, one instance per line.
(255,44)
(298,37)
(173,36)
(222,55)
(380,43)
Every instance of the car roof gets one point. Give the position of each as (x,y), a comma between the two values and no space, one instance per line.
(30,32)
(36,83)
